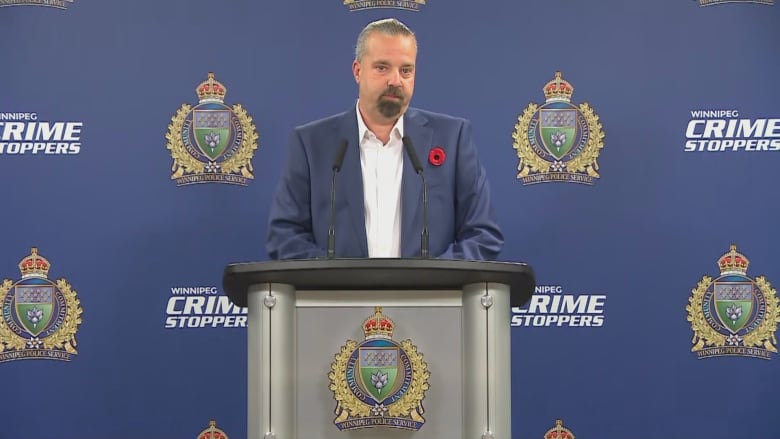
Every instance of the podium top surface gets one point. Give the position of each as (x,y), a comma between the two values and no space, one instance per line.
(378,274)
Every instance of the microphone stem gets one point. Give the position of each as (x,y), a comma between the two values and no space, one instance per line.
(331,228)
(424,235)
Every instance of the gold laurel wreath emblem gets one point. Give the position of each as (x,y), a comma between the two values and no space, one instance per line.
(411,402)
(704,335)
(529,161)
(764,335)
(63,338)
(8,339)
(184,163)
(348,405)
(532,163)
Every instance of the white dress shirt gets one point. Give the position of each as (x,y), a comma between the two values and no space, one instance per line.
(382,166)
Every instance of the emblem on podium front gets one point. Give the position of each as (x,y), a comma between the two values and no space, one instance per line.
(211,142)
(379,382)
(732,314)
(40,317)
(558,141)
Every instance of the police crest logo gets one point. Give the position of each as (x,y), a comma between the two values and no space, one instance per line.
(40,317)
(379,382)
(212,432)
(408,5)
(211,142)
(732,314)
(558,141)
(559,431)
(59,4)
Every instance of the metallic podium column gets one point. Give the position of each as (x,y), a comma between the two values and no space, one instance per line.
(486,362)
(271,356)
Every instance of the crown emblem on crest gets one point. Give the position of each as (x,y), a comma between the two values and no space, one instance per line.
(378,325)
(733,314)
(559,431)
(211,90)
(558,90)
(379,382)
(212,432)
(40,318)
(558,141)
(733,262)
(34,265)
(211,142)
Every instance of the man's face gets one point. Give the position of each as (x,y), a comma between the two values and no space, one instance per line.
(385,75)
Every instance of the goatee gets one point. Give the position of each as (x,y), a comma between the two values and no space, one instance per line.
(391,108)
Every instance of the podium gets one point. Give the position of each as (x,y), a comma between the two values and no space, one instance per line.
(301,313)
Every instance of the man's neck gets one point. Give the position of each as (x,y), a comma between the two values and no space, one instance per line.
(381,128)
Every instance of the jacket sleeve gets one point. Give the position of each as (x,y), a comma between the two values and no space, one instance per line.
(290,233)
(477,235)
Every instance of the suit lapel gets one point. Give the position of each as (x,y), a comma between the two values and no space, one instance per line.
(415,127)
(350,179)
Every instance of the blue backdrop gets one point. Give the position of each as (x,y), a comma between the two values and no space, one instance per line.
(92,88)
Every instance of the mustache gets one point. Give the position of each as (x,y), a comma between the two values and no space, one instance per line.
(393,91)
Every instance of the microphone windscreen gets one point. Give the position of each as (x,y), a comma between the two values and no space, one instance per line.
(340,155)
(409,146)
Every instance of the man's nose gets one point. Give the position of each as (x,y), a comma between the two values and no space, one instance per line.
(395,79)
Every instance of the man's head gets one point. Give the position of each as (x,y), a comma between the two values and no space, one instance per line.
(384,68)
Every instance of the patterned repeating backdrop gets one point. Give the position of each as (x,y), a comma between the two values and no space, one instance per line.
(632,147)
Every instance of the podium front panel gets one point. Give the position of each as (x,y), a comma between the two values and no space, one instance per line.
(321,332)
(296,337)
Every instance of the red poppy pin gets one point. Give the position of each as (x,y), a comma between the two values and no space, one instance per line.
(436,156)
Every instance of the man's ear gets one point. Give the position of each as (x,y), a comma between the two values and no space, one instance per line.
(356,71)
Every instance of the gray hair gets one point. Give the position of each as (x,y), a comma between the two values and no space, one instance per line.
(387,26)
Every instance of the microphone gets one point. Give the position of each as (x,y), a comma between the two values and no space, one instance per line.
(337,161)
(409,147)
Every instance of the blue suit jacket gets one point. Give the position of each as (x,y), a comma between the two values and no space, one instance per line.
(461,220)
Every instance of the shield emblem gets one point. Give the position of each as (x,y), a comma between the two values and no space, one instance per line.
(212,131)
(734,303)
(379,368)
(558,129)
(34,305)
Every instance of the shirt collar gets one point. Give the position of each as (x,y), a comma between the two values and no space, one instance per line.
(398,128)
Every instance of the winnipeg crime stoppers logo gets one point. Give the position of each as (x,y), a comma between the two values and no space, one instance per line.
(202,307)
(379,382)
(409,5)
(26,134)
(211,142)
(59,4)
(549,306)
(725,130)
(558,141)
(733,315)
(40,317)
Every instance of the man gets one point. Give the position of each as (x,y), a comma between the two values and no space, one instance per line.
(379,194)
